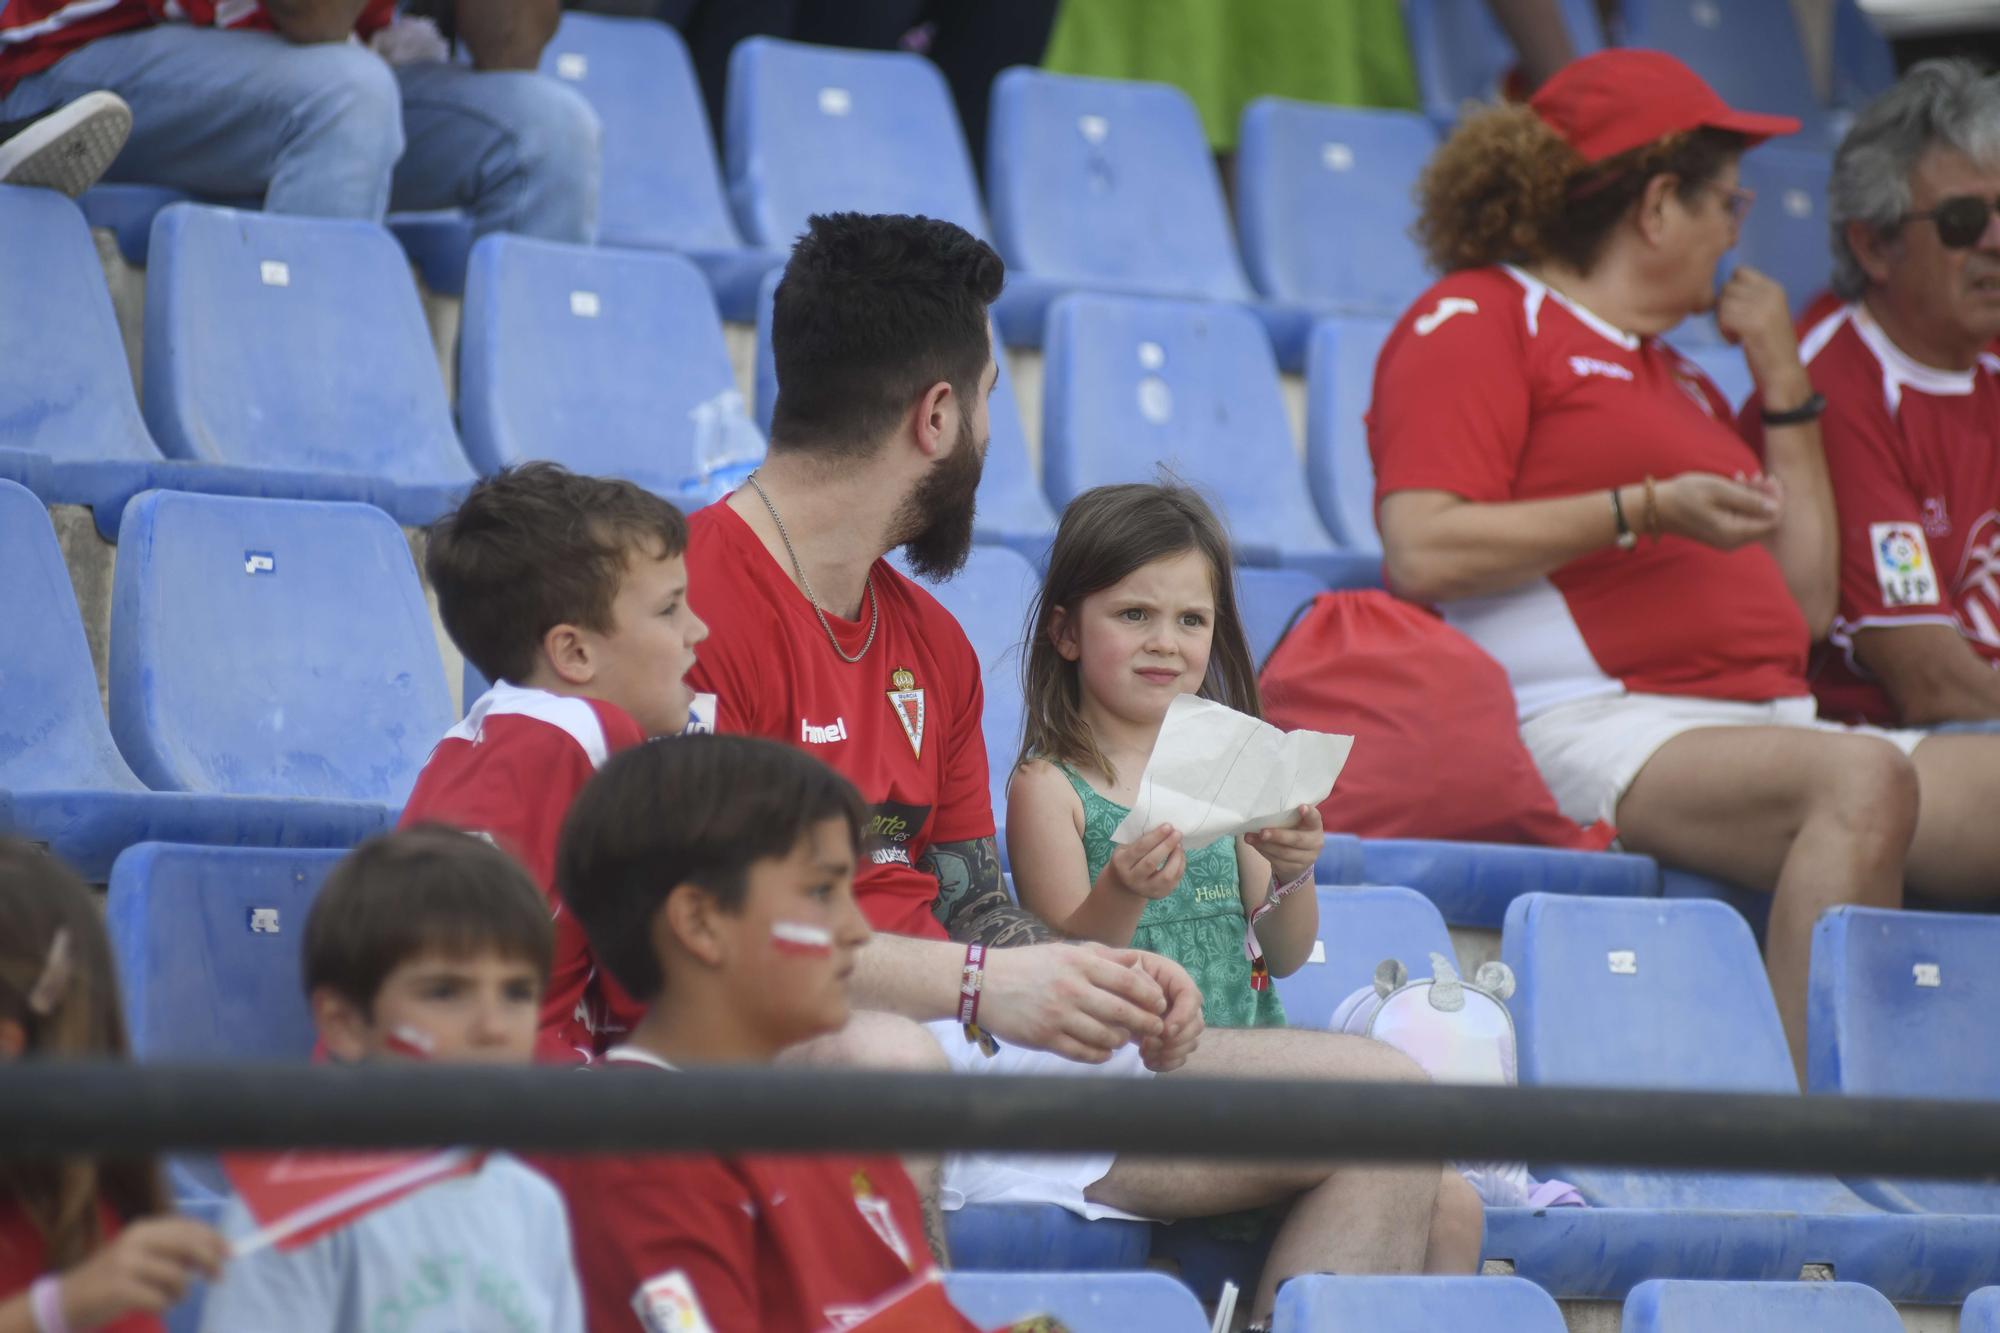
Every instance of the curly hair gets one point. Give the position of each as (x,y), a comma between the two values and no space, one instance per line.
(1506,189)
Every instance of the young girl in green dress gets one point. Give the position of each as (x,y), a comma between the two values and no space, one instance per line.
(1138,606)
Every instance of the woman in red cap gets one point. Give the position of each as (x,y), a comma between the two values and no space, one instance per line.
(1575,496)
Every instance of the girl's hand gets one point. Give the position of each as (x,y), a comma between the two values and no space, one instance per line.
(1294,848)
(147,1268)
(1150,867)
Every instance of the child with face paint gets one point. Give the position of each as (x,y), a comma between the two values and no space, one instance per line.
(714,877)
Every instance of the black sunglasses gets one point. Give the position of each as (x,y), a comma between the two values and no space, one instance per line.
(1961,220)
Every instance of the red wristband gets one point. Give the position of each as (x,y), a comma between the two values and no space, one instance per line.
(971,981)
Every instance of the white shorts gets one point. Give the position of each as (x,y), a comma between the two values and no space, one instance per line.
(1590,751)
(1057,1178)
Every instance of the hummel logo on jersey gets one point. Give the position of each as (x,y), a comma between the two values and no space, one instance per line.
(828,735)
(1449,306)
(1590,365)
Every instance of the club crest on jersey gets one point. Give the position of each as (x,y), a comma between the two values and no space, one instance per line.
(908,701)
(880,1217)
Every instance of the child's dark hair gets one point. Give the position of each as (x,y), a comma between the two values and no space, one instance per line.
(872,311)
(1105,534)
(691,810)
(421,890)
(537,546)
(58,982)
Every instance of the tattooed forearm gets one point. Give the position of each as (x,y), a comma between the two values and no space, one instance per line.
(972,902)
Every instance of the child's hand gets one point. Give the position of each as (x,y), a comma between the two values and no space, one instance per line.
(147,1268)
(1150,867)
(1292,849)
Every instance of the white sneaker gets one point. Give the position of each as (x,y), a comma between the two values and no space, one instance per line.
(70,147)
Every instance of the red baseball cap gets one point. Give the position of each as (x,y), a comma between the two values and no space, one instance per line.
(1619,99)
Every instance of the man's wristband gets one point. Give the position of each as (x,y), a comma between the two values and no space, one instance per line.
(971,981)
(1807,411)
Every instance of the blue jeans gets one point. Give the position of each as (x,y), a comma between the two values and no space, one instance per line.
(333,130)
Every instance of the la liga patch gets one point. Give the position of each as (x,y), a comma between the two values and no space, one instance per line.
(667,1304)
(1903,564)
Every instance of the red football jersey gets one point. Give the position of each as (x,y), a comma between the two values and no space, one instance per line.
(1914,453)
(24,1257)
(1494,387)
(902,724)
(751,1244)
(509,770)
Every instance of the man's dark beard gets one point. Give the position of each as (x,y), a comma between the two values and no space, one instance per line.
(941,509)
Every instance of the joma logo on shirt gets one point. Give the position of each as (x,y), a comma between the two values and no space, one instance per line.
(1590,365)
(827,735)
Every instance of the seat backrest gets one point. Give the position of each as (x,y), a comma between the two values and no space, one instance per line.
(814,129)
(1864,66)
(64,387)
(610,362)
(1981,1312)
(1268,599)
(1105,183)
(1661,1306)
(1902,1004)
(52,729)
(1415,1305)
(1785,234)
(1325,196)
(1359,927)
(272,648)
(661,184)
(207,941)
(1340,383)
(990,599)
(292,343)
(1131,384)
(1083,1302)
(1461,55)
(1749,53)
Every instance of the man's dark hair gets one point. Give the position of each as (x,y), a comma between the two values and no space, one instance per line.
(873,310)
(537,546)
(423,889)
(691,810)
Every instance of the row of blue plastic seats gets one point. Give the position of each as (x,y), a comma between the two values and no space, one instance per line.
(1611,993)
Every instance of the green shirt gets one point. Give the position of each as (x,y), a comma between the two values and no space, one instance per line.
(1199,925)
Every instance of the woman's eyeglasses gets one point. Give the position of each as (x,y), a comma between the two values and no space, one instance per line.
(1734,198)
(1961,220)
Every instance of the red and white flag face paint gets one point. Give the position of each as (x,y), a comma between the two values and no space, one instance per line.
(297,1197)
(801,940)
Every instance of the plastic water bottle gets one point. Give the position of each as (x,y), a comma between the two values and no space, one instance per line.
(727,446)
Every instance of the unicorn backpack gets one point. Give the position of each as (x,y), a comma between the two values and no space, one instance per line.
(1459,1032)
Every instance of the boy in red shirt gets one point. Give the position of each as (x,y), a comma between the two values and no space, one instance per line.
(570,594)
(715,880)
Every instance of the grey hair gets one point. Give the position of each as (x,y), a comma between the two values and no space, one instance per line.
(1952,102)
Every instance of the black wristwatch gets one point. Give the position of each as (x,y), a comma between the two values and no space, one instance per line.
(1809,410)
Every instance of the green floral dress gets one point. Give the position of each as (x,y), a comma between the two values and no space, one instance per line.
(1200,925)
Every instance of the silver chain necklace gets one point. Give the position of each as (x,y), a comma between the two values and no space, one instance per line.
(874,607)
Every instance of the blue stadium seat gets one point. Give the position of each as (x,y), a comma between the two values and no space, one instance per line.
(1084,1303)
(1322,1304)
(1324,201)
(126,211)
(1981,1312)
(272,647)
(1131,385)
(437,244)
(1864,66)
(1340,383)
(1472,883)
(1103,185)
(1042,1238)
(62,780)
(1662,1306)
(297,345)
(610,362)
(1749,53)
(1359,927)
(1268,600)
(1785,234)
(813,129)
(1901,1005)
(1461,55)
(764,368)
(662,185)
(1671,994)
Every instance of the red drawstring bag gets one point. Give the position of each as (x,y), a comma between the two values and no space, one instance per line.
(1437,748)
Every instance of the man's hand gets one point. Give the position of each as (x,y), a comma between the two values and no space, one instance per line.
(1182,1024)
(1081,1002)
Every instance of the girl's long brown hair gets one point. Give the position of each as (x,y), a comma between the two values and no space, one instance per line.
(69,1010)
(1105,534)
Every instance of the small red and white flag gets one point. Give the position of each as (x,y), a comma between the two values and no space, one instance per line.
(297,1197)
(918,1306)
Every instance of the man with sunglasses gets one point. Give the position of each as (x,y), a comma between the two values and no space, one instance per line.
(1904,352)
